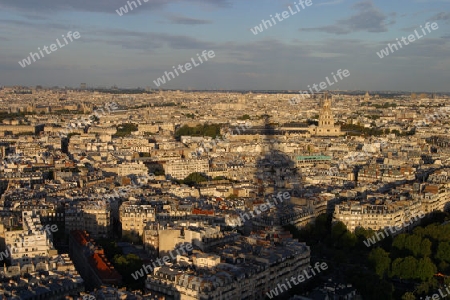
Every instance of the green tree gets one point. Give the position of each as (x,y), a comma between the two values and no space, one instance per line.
(380,260)
(376,290)
(398,244)
(425,248)
(404,268)
(244,117)
(425,287)
(321,226)
(408,296)
(341,237)
(125,129)
(127,265)
(412,243)
(443,252)
(195,178)
(425,269)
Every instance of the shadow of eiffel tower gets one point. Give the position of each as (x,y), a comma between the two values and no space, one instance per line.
(276,170)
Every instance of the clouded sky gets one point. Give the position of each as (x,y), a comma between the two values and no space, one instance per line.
(135,49)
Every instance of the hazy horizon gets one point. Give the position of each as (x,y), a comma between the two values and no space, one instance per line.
(140,46)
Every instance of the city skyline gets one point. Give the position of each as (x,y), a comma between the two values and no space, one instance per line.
(136,48)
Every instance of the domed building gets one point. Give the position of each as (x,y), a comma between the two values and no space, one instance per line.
(326,125)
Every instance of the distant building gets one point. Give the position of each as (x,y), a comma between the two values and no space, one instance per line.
(326,122)
(180,169)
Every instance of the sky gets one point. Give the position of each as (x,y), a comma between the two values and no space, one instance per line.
(135,49)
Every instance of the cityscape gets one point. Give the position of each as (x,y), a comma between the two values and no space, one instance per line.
(215,150)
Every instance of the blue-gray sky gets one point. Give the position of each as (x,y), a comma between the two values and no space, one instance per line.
(135,49)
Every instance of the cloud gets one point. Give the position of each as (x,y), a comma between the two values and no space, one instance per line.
(36,25)
(368,18)
(105,6)
(148,41)
(186,20)
(442,16)
(334,2)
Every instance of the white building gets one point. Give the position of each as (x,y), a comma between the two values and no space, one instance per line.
(32,244)
(135,217)
(180,169)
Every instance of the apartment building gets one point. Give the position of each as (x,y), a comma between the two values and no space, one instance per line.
(61,280)
(237,275)
(311,160)
(93,217)
(434,197)
(180,169)
(15,129)
(126,169)
(134,218)
(376,216)
(30,245)
(161,237)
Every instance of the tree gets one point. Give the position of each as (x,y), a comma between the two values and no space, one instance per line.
(425,269)
(425,248)
(443,252)
(341,237)
(363,234)
(398,244)
(244,117)
(404,268)
(322,226)
(159,172)
(195,178)
(408,296)
(380,261)
(412,243)
(211,130)
(376,290)
(125,129)
(127,265)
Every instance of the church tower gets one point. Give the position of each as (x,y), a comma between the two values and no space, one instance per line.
(326,121)
(366,97)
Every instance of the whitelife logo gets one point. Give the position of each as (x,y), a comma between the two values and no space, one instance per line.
(188,66)
(27,61)
(393,229)
(124,9)
(87,121)
(284,15)
(411,38)
(436,296)
(281,286)
(321,86)
(208,146)
(162,261)
(29,242)
(257,210)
